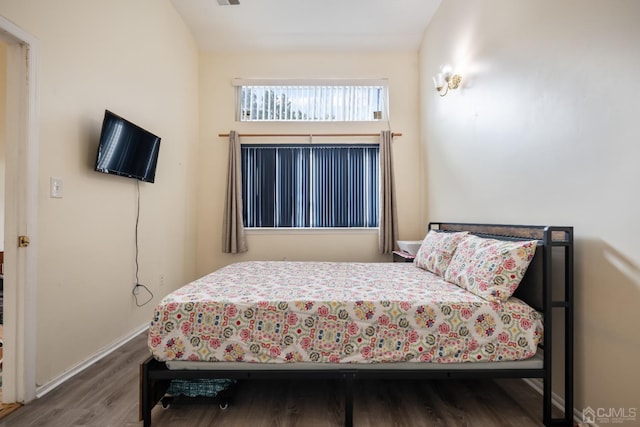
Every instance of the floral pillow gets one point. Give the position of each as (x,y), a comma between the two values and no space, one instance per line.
(436,251)
(491,269)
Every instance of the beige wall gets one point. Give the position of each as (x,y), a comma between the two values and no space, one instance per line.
(217,107)
(544,131)
(139,60)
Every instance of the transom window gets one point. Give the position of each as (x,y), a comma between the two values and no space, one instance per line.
(310,185)
(323,101)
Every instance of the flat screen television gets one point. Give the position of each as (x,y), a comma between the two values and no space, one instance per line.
(126,149)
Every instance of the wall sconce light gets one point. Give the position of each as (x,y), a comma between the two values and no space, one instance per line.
(446,80)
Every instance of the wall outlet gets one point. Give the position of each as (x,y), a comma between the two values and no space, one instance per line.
(162,280)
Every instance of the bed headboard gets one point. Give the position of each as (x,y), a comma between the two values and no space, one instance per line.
(547,285)
(553,258)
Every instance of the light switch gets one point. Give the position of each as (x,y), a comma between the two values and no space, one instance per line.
(56,187)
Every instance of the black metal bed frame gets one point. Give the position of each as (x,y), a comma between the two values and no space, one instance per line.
(539,289)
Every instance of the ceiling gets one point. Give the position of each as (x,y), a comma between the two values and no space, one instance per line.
(308,25)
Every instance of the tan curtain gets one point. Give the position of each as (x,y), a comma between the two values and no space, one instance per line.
(233,239)
(388,215)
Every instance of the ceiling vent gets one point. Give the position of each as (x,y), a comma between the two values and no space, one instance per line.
(228,2)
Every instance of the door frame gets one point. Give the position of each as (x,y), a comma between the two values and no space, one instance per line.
(21,214)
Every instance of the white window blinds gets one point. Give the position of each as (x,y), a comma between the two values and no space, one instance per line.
(329,101)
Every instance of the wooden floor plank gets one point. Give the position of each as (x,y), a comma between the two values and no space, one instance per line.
(106,394)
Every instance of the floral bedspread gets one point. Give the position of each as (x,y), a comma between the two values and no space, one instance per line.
(281,312)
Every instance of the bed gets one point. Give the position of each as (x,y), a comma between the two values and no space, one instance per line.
(371,320)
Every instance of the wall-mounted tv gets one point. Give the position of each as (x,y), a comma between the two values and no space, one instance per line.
(126,149)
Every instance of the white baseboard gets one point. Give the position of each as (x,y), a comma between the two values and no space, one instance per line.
(104,352)
(557,401)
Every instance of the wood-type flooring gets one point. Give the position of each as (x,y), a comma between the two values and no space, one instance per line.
(107,393)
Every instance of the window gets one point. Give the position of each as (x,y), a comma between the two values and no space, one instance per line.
(310,186)
(325,101)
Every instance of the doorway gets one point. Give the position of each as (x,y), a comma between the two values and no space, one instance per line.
(20,212)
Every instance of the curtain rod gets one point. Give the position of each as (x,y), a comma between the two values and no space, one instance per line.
(309,135)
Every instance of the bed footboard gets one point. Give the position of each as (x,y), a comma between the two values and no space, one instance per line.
(151,389)
(155,378)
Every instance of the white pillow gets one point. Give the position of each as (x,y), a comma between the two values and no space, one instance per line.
(437,249)
(490,268)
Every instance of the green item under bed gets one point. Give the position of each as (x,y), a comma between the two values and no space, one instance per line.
(199,387)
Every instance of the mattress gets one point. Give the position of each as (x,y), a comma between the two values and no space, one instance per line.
(535,362)
(326,312)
